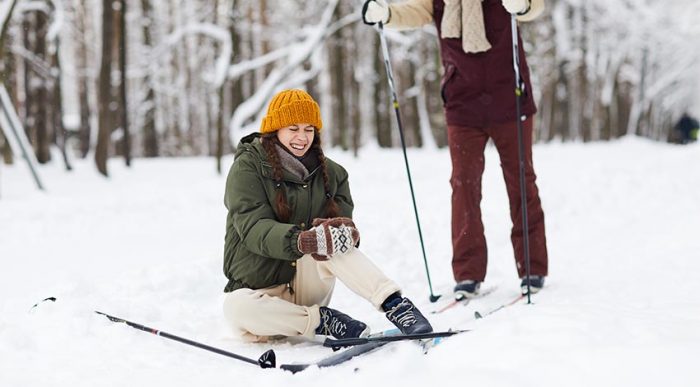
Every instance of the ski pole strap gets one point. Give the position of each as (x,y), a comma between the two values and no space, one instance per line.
(337,343)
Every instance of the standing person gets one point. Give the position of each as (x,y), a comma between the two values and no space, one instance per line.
(289,235)
(479,103)
(687,128)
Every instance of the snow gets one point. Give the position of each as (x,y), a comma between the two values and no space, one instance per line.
(620,306)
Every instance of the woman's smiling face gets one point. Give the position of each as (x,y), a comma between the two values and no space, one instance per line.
(297,138)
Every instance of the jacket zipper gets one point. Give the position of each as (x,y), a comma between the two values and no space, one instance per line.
(308,194)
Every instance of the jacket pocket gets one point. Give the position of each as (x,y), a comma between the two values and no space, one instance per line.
(449,75)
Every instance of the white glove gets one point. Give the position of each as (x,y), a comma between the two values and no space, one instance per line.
(516,6)
(375,11)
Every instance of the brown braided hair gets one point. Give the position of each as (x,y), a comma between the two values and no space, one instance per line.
(284,212)
(332,209)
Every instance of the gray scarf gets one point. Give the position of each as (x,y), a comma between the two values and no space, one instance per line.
(292,164)
(465,19)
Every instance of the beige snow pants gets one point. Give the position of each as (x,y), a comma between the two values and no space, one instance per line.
(257,314)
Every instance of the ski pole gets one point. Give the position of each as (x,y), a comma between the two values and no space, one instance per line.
(267,360)
(519,89)
(395,103)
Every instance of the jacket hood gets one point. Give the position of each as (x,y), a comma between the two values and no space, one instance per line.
(251,143)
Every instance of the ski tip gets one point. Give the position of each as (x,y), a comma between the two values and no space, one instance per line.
(268,359)
(294,368)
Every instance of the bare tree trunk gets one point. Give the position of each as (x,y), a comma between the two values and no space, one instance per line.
(259,42)
(339,116)
(623,109)
(123,107)
(150,135)
(233,94)
(408,105)
(6,67)
(56,101)
(106,117)
(356,117)
(34,30)
(224,93)
(381,101)
(545,117)
(83,87)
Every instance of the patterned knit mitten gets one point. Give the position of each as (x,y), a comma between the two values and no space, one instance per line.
(324,240)
(335,222)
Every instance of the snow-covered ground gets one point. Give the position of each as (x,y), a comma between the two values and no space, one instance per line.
(621,306)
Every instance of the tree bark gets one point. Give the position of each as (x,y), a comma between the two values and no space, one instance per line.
(382,102)
(82,61)
(123,107)
(106,117)
(56,102)
(150,135)
(6,62)
(37,105)
(339,114)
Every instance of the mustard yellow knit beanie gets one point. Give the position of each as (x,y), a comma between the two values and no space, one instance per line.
(290,107)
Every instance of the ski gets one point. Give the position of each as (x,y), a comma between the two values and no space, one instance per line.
(427,344)
(478,315)
(462,300)
(338,343)
(336,358)
(363,346)
(342,356)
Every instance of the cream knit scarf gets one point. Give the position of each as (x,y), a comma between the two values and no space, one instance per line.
(465,19)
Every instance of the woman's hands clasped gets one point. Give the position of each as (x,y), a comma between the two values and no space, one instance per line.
(328,237)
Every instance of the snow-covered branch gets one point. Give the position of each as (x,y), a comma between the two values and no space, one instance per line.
(238,69)
(213,31)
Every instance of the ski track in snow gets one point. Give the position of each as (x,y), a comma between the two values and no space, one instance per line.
(620,306)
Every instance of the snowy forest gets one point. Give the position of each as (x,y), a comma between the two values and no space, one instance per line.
(153,78)
(128,112)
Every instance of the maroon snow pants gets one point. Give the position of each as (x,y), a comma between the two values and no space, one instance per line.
(468,242)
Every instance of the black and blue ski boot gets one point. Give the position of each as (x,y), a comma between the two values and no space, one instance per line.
(402,313)
(340,325)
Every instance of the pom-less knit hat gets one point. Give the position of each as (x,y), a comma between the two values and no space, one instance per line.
(290,107)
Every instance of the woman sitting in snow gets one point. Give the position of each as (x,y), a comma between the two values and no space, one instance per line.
(289,235)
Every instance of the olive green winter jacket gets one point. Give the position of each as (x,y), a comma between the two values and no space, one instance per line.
(259,250)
